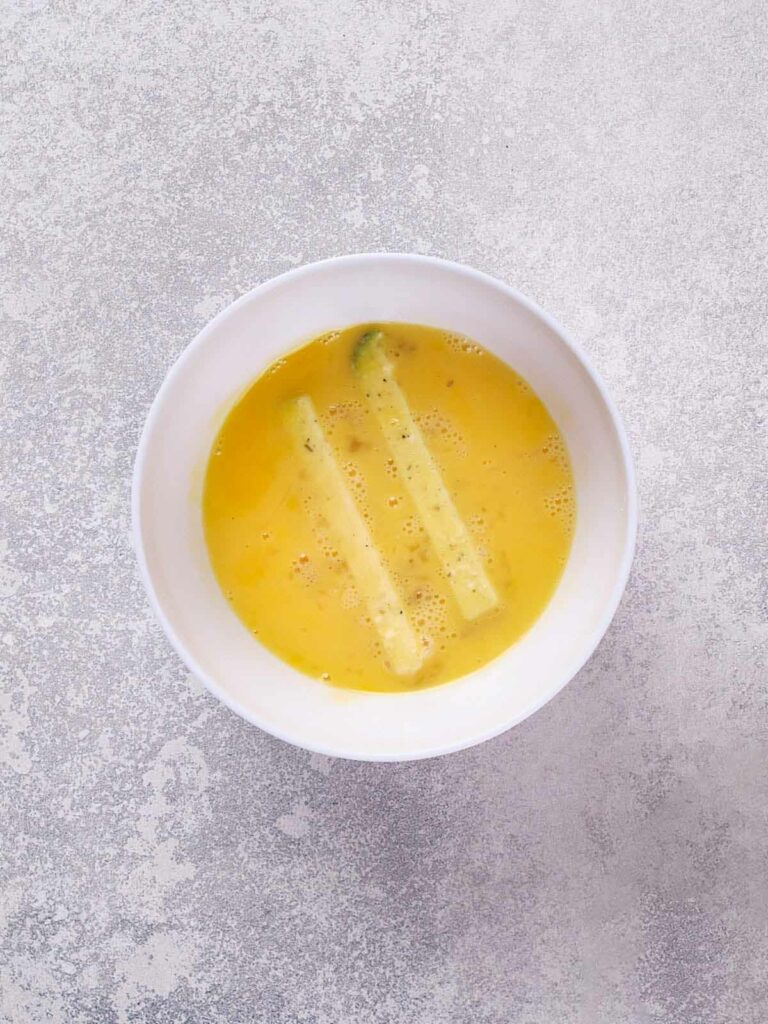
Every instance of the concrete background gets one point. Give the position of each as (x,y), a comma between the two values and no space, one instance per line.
(160,860)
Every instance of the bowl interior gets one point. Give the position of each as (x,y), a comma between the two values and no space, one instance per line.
(213,372)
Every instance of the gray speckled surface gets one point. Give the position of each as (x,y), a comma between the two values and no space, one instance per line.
(161,861)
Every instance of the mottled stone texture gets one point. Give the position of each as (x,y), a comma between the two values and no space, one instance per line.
(162,861)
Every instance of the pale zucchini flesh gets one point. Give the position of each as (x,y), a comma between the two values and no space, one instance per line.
(418,470)
(333,498)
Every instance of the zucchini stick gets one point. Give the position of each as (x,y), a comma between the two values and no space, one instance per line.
(400,643)
(450,538)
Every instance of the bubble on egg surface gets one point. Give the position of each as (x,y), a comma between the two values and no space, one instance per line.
(436,426)
(276,367)
(561,505)
(412,526)
(555,451)
(304,569)
(345,415)
(464,346)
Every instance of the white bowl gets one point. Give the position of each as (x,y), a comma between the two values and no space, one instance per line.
(167,486)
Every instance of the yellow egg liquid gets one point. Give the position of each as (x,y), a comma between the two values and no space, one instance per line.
(277,547)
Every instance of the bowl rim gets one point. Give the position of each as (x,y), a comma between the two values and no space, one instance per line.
(611,604)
